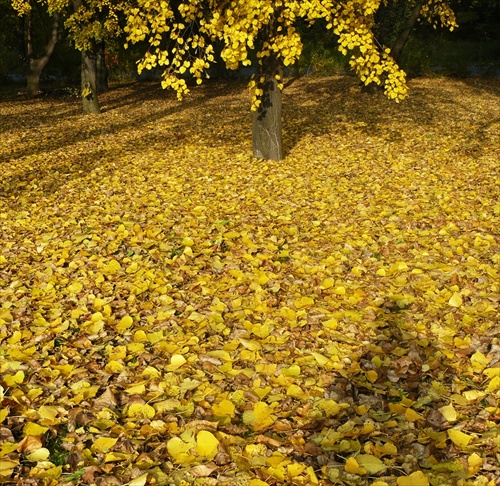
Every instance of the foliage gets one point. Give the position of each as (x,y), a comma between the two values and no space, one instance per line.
(180,36)
(175,312)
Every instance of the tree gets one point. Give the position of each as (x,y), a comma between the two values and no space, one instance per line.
(181,37)
(91,23)
(397,19)
(35,64)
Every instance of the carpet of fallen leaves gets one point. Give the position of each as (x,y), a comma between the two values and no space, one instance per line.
(174,312)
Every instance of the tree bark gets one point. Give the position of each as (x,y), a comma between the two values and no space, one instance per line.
(36,65)
(267,140)
(400,42)
(102,71)
(89,82)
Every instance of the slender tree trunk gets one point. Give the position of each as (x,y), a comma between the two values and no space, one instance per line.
(266,131)
(89,82)
(102,71)
(400,42)
(36,65)
(88,72)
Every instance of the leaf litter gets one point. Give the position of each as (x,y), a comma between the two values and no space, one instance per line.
(175,312)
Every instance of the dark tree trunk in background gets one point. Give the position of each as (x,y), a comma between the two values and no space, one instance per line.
(404,35)
(36,65)
(89,82)
(102,71)
(266,131)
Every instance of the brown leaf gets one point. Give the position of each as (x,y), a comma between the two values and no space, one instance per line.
(203,470)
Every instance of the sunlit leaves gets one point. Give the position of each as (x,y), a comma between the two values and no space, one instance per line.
(181,38)
(172,310)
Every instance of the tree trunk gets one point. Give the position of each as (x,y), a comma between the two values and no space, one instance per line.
(89,82)
(102,71)
(400,42)
(266,131)
(35,66)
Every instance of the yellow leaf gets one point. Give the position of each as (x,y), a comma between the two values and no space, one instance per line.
(352,467)
(141,411)
(455,300)
(475,463)
(112,267)
(327,283)
(116,456)
(492,372)
(7,448)
(449,413)
(303,302)
(250,344)
(339,290)
(139,480)
(259,417)
(124,324)
(372,464)
(372,376)
(224,408)
(459,438)
(176,361)
(293,370)
(494,384)
(479,361)
(295,391)
(330,407)
(6,466)
(320,359)
(313,479)
(132,268)
(330,324)
(295,469)
(103,444)
(39,455)
(412,416)
(473,395)
(176,446)
(34,429)
(206,444)
(114,367)
(414,479)
(14,380)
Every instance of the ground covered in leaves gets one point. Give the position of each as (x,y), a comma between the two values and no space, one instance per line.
(174,312)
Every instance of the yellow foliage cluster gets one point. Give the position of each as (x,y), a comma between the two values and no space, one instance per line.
(174,312)
(180,38)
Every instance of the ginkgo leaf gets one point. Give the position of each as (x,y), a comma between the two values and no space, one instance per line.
(224,408)
(125,323)
(14,380)
(449,413)
(39,455)
(371,464)
(103,444)
(176,361)
(141,411)
(34,429)
(455,300)
(179,450)
(260,417)
(160,289)
(206,444)
(459,438)
(353,467)
(417,477)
